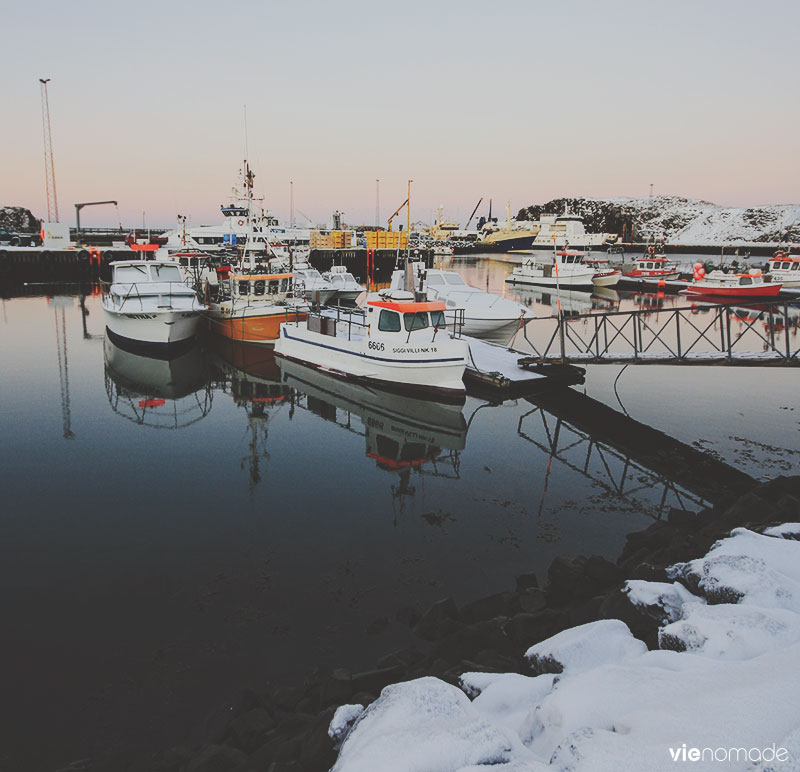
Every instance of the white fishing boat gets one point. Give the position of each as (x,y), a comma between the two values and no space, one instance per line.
(605,275)
(784,267)
(562,269)
(345,284)
(148,303)
(309,283)
(567,230)
(485,314)
(397,343)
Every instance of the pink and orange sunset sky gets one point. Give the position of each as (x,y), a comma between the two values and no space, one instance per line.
(519,101)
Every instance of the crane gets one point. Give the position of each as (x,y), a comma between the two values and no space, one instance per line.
(49,166)
(78,208)
(397,211)
(466,227)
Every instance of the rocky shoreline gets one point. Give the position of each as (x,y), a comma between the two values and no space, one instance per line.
(287,729)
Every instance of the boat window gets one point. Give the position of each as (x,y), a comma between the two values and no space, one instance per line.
(415,321)
(648,265)
(745,280)
(130,273)
(184,261)
(284,285)
(244,287)
(435,280)
(786,265)
(274,284)
(437,319)
(259,287)
(166,272)
(389,321)
(387,448)
(454,278)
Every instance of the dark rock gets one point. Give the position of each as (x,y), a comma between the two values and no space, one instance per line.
(532,600)
(316,747)
(681,518)
(337,688)
(642,622)
(286,766)
(407,616)
(523,630)
(219,758)
(502,604)
(545,664)
(403,657)
(438,620)
(248,731)
(567,580)
(363,698)
(647,572)
(464,642)
(377,626)
(527,582)
(602,572)
(375,680)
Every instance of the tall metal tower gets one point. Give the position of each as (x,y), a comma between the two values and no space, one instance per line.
(291,204)
(377,203)
(49,167)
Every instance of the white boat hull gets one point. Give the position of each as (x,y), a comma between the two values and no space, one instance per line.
(568,280)
(609,280)
(156,328)
(434,367)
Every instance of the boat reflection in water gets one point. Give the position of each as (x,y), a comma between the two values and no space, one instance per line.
(254,379)
(402,434)
(159,392)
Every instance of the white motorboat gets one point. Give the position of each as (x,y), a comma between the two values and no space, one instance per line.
(485,314)
(309,283)
(563,269)
(148,303)
(605,275)
(567,230)
(784,267)
(398,343)
(345,284)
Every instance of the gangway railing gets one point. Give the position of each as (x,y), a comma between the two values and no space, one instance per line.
(743,334)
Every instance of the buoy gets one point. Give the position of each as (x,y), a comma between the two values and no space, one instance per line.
(699,271)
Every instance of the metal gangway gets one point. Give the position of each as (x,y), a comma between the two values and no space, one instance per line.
(704,333)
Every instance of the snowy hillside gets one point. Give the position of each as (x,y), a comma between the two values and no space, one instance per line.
(679,220)
(16,218)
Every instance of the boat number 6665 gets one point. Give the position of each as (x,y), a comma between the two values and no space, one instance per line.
(375,345)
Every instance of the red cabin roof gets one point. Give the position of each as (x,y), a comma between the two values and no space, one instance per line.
(409,308)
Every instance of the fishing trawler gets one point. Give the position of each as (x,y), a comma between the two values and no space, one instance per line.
(564,269)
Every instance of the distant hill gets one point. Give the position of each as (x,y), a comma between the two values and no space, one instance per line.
(17,218)
(677,219)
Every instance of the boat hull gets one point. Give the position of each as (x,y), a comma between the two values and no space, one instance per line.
(769,290)
(580,280)
(430,368)
(607,280)
(250,325)
(153,328)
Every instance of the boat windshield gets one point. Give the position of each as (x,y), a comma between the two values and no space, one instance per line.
(437,319)
(130,273)
(453,278)
(416,321)
(165,272)
(435,280)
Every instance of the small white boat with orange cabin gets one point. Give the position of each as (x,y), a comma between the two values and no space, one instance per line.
(785,268)
(397,343)
(720,284)
(605,275)
(255,306)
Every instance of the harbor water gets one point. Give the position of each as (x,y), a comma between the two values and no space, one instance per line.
(178,531)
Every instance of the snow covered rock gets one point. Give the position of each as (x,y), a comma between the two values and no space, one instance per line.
(427,725)
(585,647)
(343,719)
(661,601)
(747,568)
(785,531)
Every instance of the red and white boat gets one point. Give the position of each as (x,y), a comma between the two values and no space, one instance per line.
(605,275)
(732,285)
(785,268)
(653,267)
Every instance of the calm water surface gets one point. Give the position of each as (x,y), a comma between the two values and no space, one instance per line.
(176,532)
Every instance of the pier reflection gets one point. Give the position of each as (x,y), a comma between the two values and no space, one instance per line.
(403,435)
(252,375)
(161,393)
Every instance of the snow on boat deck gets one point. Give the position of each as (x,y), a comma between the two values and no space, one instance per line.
(497,365)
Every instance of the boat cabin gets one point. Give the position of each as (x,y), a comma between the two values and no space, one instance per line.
(145,272)
(267,286)
(388,317)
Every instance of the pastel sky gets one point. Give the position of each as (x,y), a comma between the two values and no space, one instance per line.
(514,100)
